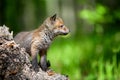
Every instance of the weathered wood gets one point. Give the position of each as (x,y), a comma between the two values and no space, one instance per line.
(15,63)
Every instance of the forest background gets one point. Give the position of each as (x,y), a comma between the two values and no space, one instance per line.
(92,49)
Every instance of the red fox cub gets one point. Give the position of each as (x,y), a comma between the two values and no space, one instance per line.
(39,40)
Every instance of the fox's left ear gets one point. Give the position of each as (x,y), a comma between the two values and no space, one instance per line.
(53,18)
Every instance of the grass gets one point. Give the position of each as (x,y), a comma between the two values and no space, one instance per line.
(81,61)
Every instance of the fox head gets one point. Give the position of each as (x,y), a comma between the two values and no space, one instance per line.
(56,25)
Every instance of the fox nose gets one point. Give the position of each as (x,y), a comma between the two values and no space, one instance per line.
(67,31)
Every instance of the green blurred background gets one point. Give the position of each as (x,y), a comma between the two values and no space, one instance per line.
(91,51)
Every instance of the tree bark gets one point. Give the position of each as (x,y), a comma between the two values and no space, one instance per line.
(15,63)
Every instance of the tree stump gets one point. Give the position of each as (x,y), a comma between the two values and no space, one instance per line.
(15,63)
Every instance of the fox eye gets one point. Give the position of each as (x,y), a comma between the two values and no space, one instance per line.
(61,26)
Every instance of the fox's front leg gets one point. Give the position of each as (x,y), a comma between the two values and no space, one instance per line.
(43,60)
(34,52)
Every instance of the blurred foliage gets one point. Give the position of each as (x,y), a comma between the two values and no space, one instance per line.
(94,16)
(92,53)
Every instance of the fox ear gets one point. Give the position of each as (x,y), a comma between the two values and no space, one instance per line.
(53,18)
